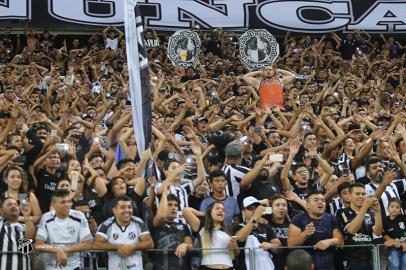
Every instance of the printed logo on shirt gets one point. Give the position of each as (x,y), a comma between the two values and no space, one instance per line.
(24,246)
(184,48)
(132,236)
(258,48)
(402,225)
(115,236)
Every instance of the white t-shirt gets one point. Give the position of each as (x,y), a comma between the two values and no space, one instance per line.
(219,240)
(66,232)
(112,43)
(115,234)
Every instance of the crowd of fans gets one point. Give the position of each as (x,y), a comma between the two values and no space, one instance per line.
(224,171)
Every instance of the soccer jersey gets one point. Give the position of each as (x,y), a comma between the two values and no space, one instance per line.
(168,236)
(115,234)
(10,234)
(234,175)
(393,191)
(181,192)
(65,232)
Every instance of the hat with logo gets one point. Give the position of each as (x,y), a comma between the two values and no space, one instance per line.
(165,155)
(249,201)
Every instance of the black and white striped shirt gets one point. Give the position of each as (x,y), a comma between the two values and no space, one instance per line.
(9,236)
(393,190)
(234,175)
(181,192)
(334,205)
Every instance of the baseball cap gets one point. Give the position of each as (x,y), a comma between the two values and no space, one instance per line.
(233,148)
(249,201)
(165,155)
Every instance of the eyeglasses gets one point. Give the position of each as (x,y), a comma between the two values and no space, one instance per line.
(302,171)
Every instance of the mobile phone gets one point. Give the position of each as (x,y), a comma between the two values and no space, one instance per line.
(96,140)
(346,172)
(62,147)
(276,158)
(53,133)
(302,104)
(234,238)
(87,213)
(22,198)
(74,183)
(257,129)
(267,211)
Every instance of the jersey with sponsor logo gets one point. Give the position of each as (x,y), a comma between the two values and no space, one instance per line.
(364,236)
(65,232)
(395,228)
(115,234)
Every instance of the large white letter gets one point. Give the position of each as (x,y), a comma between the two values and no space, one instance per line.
(102,12)
(288,15)
(383,17)
(182,13)
(15,9)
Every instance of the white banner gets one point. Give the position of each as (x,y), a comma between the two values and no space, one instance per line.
(312,16)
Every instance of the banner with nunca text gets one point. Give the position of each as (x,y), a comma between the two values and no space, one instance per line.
(296,16)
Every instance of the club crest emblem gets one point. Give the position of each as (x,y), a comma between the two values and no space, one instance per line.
(184,48)
(25,246)
(258,48)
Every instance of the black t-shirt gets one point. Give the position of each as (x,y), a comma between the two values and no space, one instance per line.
(214,46)
(194,201)
(169,236)
(260,190)
(295,208)
(324,230)
(364,236)
(281,232)
(348,48)
(9,41)
(396,228)
(46,185)
(263,232)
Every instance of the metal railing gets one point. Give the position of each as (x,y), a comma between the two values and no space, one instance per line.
(378,254)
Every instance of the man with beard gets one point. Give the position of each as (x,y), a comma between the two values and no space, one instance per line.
(256,182)
(360,226)
(316,228)
(124,236)
(382,185)
(11,231)
(269,86)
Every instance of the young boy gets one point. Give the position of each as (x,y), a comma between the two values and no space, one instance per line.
(395,235)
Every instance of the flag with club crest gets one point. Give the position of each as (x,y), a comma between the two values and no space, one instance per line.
(138,75)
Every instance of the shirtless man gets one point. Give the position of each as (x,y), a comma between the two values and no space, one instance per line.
(269,86)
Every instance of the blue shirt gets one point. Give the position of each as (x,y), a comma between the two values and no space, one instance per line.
(323,260)
(230,206)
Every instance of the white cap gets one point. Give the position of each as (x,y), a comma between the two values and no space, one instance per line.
(249,201)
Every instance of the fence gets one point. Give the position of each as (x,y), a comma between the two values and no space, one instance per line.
(378,256)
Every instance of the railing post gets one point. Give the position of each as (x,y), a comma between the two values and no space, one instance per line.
(377,265)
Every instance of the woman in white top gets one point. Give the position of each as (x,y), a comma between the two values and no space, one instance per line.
(213,235)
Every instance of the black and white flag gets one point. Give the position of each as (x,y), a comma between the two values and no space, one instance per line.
(138,75)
